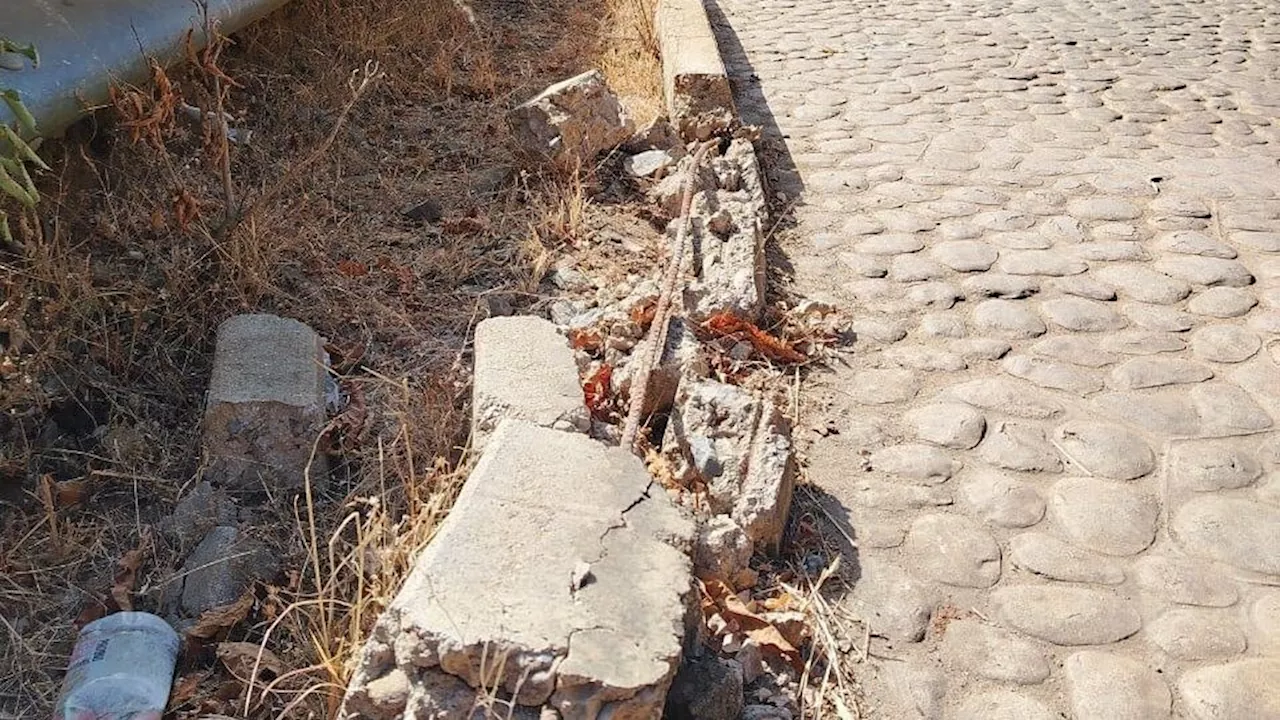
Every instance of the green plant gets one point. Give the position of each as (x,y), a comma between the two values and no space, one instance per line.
(15,152)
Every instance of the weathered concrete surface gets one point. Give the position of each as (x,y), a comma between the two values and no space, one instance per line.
(561,575)
(265,407)
(571,121)
(1063,216)
(524,369)
(694,80)
(740,446)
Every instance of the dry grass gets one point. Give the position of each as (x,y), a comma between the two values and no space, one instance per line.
(155,229)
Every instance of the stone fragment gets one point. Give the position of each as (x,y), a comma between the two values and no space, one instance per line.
(1184,581)
(1000,501)
(265,408)
(198,512)
(1104,517)
(1149,372)
(950,425)
(1001,704)
(694,81)
(1104,686)
(1074,349)
(1136,282)
(1222,302)
(1205,270)
(1006,395)
(1225,343)
(1105,450)
(1019,446)
(1192,634)
(915,463)
(884,386)
(1048,556)
(749,469)
(1241,689)
(705,688)
(1040,262)
(1065,615)
(965,255)
(524,369)
(1007,318)
(1048,374)
(221,568)
(953,550)
(608,640)
(993,653)
(1235,531)
(897,606)
(648,164)
(572,120)
(722,549)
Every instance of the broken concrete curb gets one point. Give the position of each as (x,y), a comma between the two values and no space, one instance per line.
(561,576)
(694,80)
(571,121)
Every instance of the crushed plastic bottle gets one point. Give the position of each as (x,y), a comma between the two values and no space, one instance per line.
(121,669)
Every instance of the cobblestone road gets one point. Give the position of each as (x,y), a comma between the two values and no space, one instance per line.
(1055,225)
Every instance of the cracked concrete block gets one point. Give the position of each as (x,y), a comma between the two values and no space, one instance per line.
(726,239)
(572,120)
(741,446)
(694,80)
(265,408)
(525,369)
(560,577)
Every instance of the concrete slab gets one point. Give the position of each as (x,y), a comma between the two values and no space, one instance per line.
(561,578)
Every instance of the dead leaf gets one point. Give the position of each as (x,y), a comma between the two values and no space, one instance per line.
(126,577)
(70,492)
(719,597)
(644,313)
(588,340)
(351,268)
(729,325)
(215,621)
(241,658)
(185,687)
(597,392)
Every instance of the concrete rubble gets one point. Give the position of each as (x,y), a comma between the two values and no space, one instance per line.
(219,570)
(524,369)
(694,80)
(266,404)
(571,121)
(560,579)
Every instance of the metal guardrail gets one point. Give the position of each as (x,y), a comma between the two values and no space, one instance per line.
(87,45)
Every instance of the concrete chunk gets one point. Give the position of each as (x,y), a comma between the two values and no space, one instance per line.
(741,447)
(525,369)
(561,575)
(694,79)
(265,407)
(572,121)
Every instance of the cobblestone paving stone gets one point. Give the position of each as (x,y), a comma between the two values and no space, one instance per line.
(1055,227)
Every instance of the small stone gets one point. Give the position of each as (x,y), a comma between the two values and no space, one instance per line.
(1227,409)
(1018,446)
(1242,689)
(1157,318)
(923,357)
(722,548)
(705,688)
(1138,283)
(1000,501)
(1111,251)
(1192,242)
(1238,532)
(884,386)
(890,244)
(918,685)
(915,268)
(1169,413)
(1000,704)
(1103,686)
(1085,287)
(765,712)
(1104,208)
(973,349)
(1189,634)
(965,255)
(870,266)
(1106,450)
(1040,262)
(1007,395)
(923,464)
(649,164)
(896,605)
(1104,517)
(1149,372)
(1143,342)
(1065,615)
(1048,556)
(1007,287)
(953,550)
(993,653)
(1225,343)
(1205,270)
(1074,349)
(1053,375)
(881,331)
(939,324)
(221,567)
(1009,318)
(951,425)
(1080,315)
(934,295)
(1222,302)
(1184,581)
